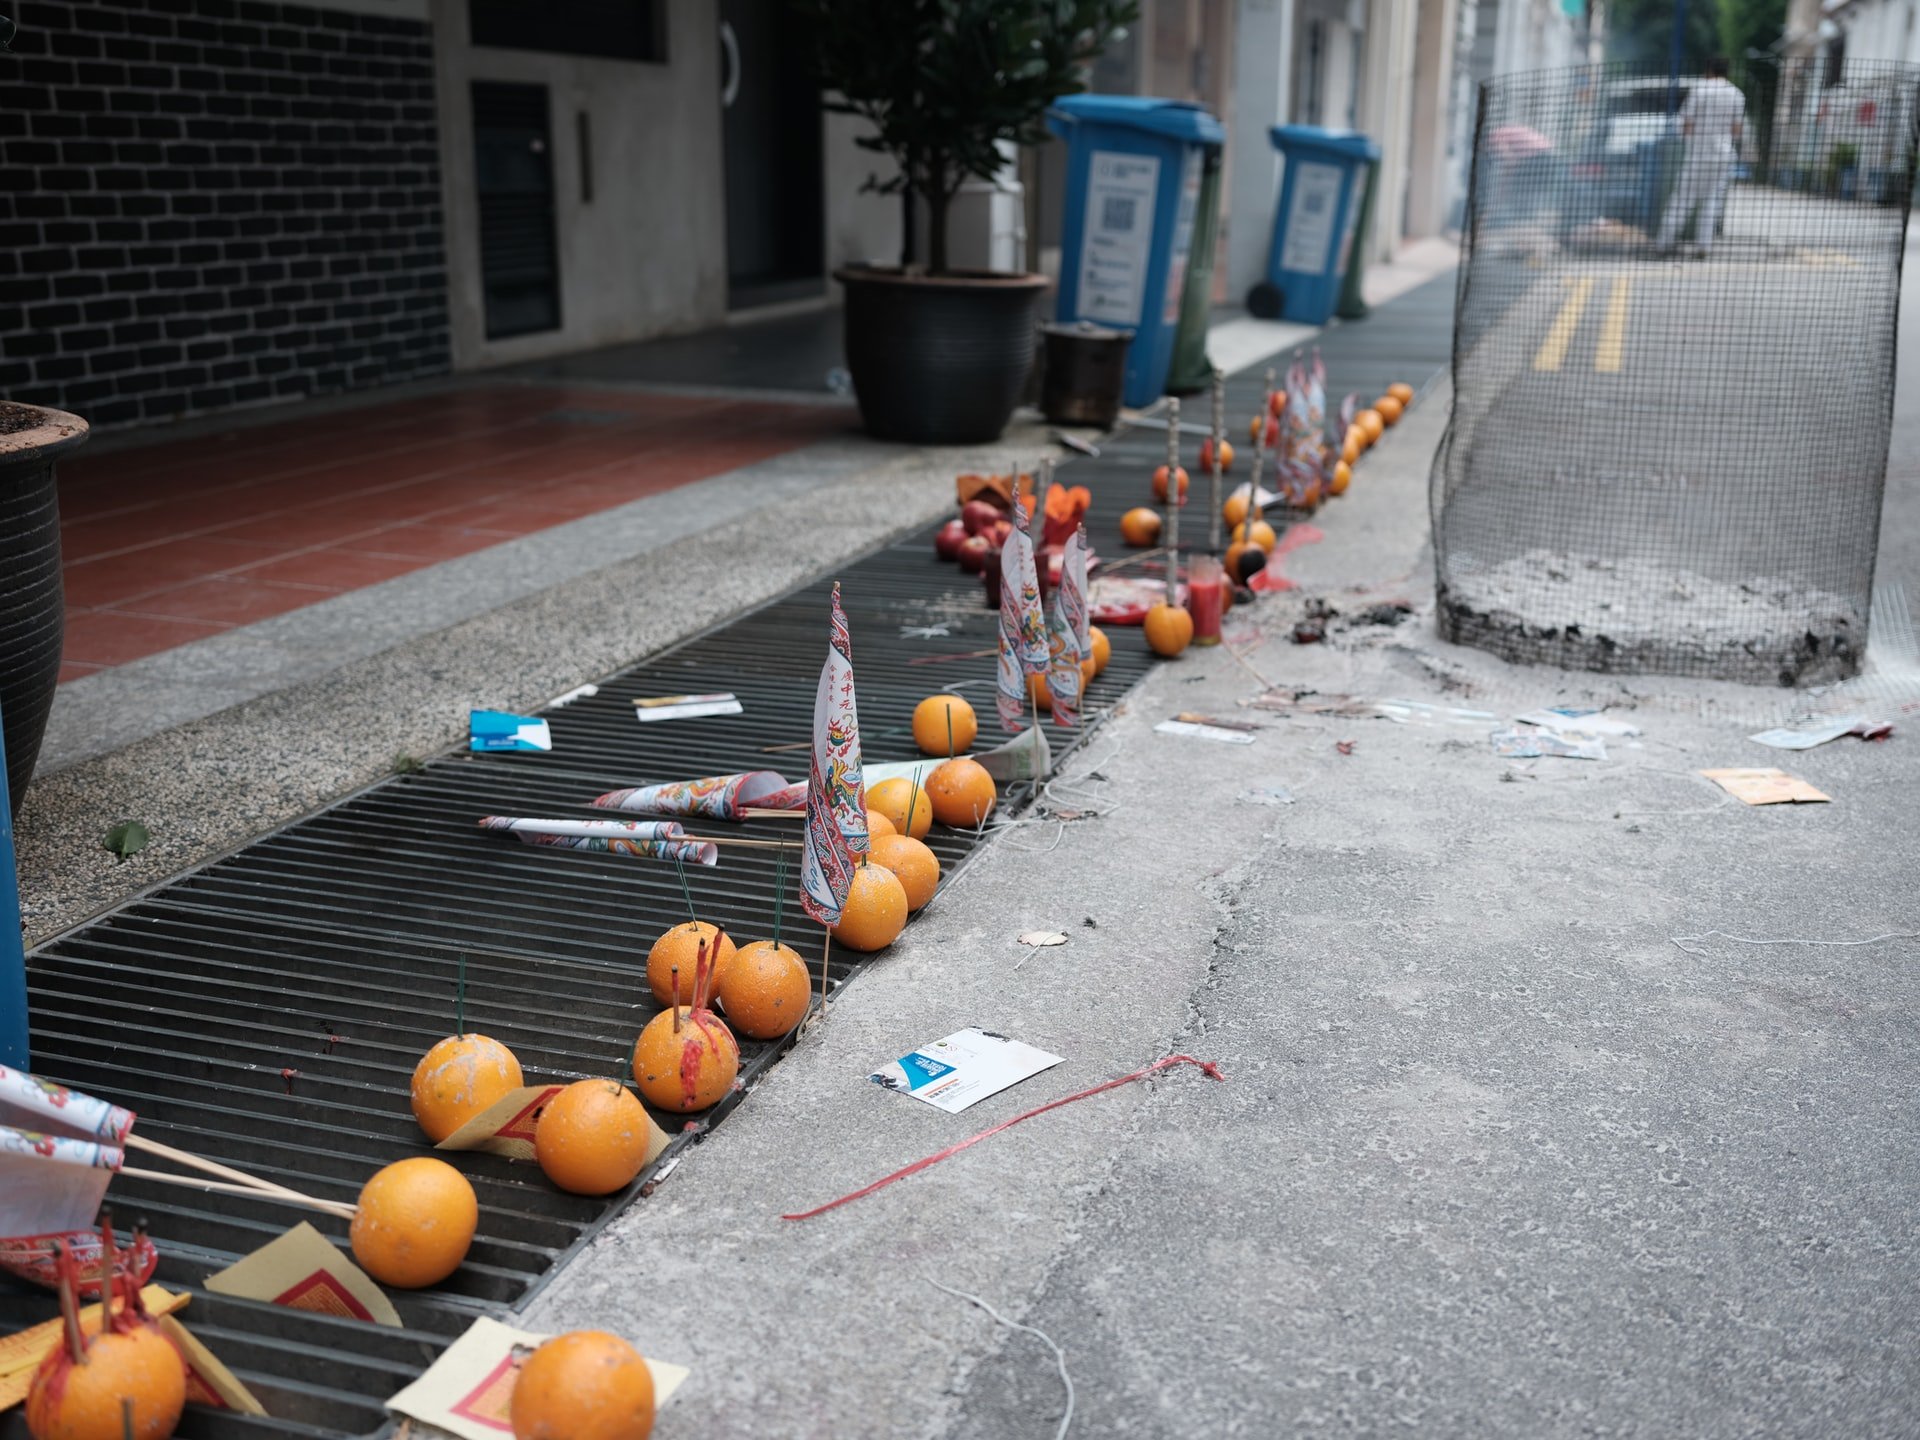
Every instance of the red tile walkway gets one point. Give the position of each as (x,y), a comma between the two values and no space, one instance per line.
(180,539)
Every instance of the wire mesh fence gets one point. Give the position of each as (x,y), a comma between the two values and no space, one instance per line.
(1673,369)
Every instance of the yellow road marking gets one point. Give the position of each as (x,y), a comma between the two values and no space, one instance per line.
(1553,349)
(1613,334)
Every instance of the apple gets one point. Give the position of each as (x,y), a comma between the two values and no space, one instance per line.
(998,532)
(973,553)
(977,515)
(947,539)
(1273,433)
(1277,402)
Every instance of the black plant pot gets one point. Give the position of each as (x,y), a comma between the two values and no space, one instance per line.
(938,360)
(32,608)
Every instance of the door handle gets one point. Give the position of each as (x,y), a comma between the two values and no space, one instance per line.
(730,65)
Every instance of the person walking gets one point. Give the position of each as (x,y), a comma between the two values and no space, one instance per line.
(1711,121)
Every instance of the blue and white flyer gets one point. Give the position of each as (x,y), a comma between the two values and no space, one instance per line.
(967,1066)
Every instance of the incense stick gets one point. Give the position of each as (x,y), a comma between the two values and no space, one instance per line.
(779,894)
(1219,442)
(213,1167)
(326,1207)
(1173,500)
(681,867)
(460,998)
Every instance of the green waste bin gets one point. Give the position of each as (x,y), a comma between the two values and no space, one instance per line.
(1190,371)
(1353,304)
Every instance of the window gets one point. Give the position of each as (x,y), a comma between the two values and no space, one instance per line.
(609,29)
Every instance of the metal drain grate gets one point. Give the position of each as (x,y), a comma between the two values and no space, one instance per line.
(329,948)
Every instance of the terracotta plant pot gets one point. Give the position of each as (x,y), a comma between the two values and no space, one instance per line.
(938,360)
(32,607)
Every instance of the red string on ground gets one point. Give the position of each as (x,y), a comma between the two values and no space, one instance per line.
(1207,1068)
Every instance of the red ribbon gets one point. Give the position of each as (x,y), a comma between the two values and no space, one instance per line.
(1207,1068)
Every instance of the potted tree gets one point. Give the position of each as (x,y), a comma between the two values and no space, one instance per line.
(939,356)
(32,610)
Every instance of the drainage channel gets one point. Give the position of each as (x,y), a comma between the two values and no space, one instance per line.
(267,1008)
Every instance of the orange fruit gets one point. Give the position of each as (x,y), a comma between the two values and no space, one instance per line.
(1239,565)
(1160,483)
(1140,526)
(1102,647)
(876,908)
(69,1401)
(414,1222)
(1038,694)
(680,947)
(1206,454)
(915,866)
(878,824)
(894,798)
(1389,408)
(1169,629)
(1402,392)
(458,1078)
(1262,534)
(688,1066)
(962,793)
(1253,428)
(765,988)
(931,719)
(1310,496)
(1371,425)
(1342,477)
(1235,510)
(584,1385)
(1351,447)
(591,1138)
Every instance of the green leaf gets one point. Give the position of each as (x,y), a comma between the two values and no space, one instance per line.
(128,838)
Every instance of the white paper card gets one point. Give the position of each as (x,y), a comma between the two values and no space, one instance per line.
(967,1066)
(1817,734)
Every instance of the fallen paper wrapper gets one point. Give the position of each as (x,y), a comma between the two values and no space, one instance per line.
(963,1069)
(1805,738)
(468,1391)
(1578,722)
(1766,787)
(506,1127)
(686,707)
(717,797)
(1204,732)
(1027,756)
(642,839)
(303,1271)
(497,730)
(209,1382)
(1534,744)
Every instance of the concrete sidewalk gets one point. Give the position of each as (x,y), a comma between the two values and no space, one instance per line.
(1495,1154)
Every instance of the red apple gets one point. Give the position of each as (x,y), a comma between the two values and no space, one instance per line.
(973,553)
(946,540)
(1277,401)
(977,515)
(1273,433)
(1206,454)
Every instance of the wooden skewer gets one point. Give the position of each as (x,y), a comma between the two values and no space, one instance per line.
(253,1192)
(736,840)
(751,814)
(214,1167)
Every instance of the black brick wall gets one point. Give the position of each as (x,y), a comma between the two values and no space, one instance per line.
(211,203)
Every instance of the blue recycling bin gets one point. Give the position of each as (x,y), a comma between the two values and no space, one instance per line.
(1134,165)
(1313,226)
